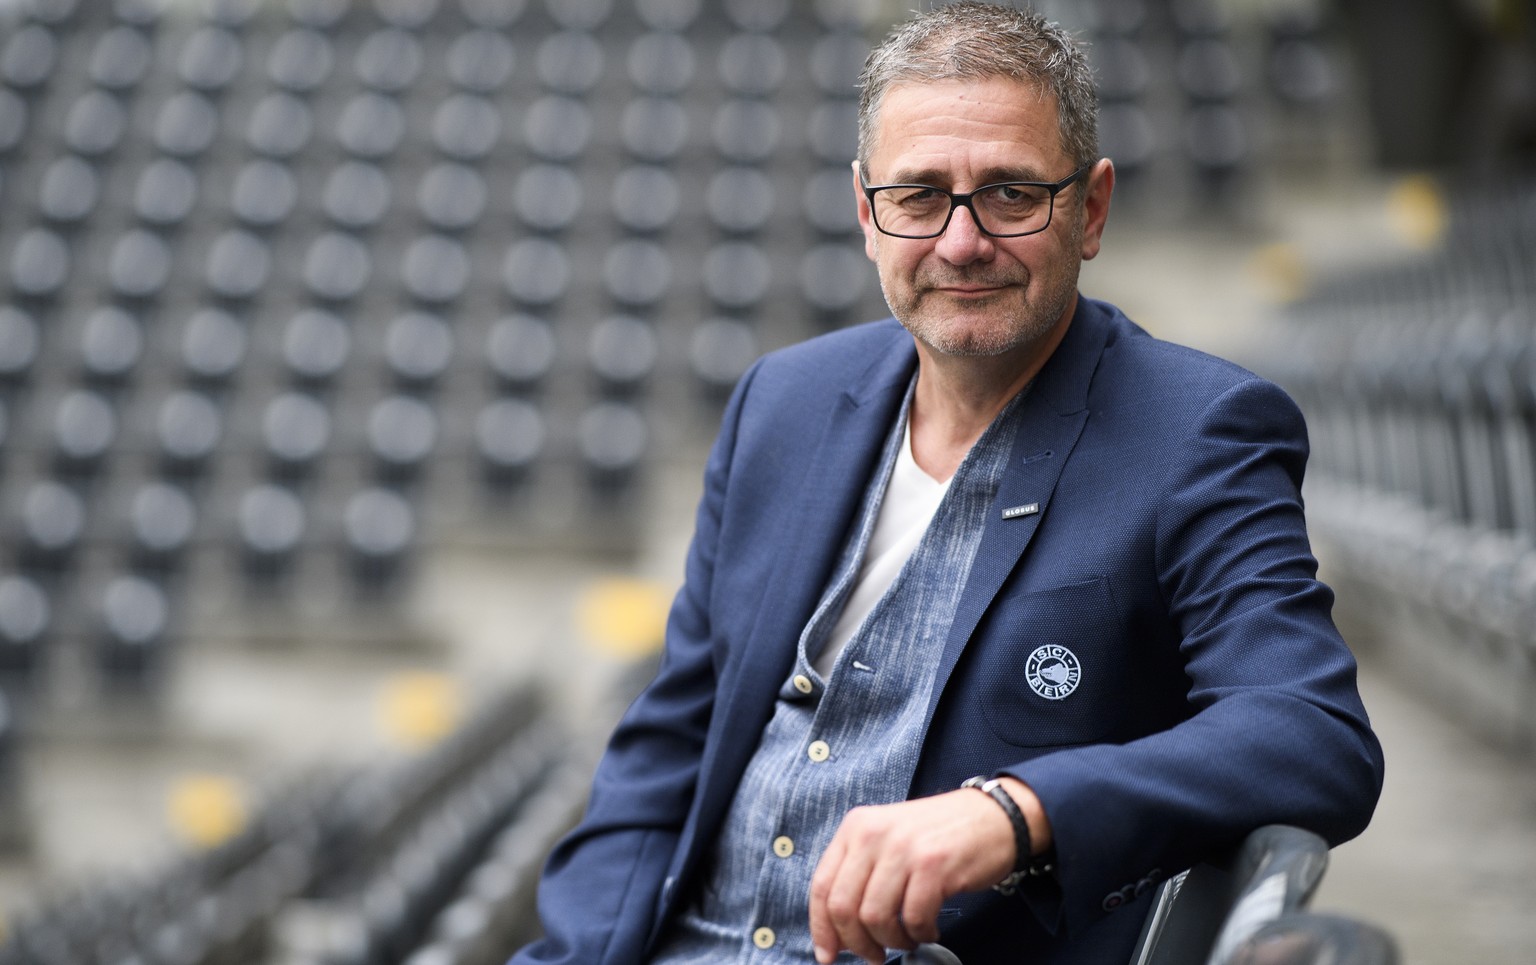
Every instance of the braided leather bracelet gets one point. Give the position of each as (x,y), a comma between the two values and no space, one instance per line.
(1025,865)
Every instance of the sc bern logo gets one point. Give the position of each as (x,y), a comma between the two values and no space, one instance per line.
(1053,671)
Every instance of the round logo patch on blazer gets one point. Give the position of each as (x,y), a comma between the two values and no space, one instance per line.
(1053,671)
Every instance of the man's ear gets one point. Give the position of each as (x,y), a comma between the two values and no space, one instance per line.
(1100,187)
(866,219)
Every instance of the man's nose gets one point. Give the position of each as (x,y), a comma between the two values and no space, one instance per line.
(963,241)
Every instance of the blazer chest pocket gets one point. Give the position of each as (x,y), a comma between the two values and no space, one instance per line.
(1053,668)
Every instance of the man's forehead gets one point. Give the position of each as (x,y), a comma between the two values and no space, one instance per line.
(919,120)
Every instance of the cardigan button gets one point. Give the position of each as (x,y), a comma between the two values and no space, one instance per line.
(783,846)
(818,751)
(803,683)
(764,938)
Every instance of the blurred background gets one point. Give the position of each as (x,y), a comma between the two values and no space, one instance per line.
(358,359)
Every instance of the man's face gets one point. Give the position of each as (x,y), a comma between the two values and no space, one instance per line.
(965,293)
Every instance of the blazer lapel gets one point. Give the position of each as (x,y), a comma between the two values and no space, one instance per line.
(1055,413)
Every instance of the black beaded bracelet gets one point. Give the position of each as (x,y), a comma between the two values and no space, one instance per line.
(1025,865)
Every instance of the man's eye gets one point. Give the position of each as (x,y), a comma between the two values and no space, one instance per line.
(917,196)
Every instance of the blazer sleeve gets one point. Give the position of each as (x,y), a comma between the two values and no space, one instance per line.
(1277,732)
(600,888)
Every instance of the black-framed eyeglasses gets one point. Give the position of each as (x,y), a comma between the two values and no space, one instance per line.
(1007,209)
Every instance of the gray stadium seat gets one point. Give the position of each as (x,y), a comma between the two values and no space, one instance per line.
(165,194)
(480,61)
(435,269)
(210,59)
(264,194)
(389,60)
(622,351)
(661,63)
(418,349)
(356,195)
(645,198)
(111,345)
(301,60)
(238,265)
(520,350)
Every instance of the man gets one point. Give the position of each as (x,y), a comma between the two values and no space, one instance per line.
(1012,537)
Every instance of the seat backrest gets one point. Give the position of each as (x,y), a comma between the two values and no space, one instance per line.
(1204,913)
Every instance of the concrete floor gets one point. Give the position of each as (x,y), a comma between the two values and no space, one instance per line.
(1448,865)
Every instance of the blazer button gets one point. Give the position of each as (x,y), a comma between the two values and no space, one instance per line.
(803,683)
(764,938)
(818,751)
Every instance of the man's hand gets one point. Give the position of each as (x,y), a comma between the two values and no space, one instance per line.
(889,868)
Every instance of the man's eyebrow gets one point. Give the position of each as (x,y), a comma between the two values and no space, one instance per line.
(941,179)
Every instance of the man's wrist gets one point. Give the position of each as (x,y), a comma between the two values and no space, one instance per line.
(1026,864)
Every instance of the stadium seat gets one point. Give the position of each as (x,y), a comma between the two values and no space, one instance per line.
(29,57)
(654,129)
(69,193)
(186,125)
(520,350)
(536,272)
(737,276)
(418,349)
(547,197)
(746,131)
(316,346)
(380,529)
(637,273)
(213,347)
(165,194)
(569,62)
(139,265)
(264,194)
(26,617)
(480,61)
(435,270)
(20,342)
(739,199)
(96,123)
(623,352)
(52,524)
(135,615)
(645,198)
(162,519)
(210,60)
(557,128)
(337,267)
(238,265)
(111,345)
(85,430)
(752,65)
(356,195)
(301,60)
(510,436)
(613,440)
(270,523)
(120,59)
(720,352)
(389,60)
(661,63)
(402,435)
(189,429)
(295,429)
(466,127)
(371,126)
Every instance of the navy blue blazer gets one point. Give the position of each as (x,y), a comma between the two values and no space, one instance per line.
(1168,553)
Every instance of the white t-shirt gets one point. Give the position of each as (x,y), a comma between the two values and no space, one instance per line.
(911,498)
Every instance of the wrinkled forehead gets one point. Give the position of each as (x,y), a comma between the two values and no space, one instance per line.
(924,121)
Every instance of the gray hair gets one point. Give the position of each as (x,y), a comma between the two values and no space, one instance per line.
(970,40)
